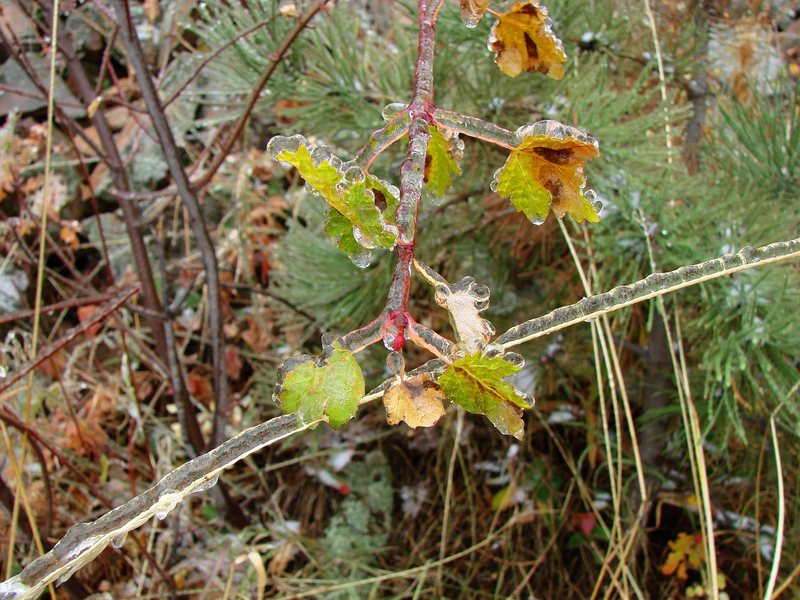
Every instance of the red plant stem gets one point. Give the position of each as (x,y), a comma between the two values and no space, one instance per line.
(420,111)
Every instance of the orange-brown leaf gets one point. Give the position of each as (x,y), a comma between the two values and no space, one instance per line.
(685,551)
(524,42)
(417,400)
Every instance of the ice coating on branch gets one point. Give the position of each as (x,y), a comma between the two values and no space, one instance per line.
(206,485)
(118,541)
(556,130)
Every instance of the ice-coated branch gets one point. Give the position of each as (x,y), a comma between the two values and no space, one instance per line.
(477,128)
(651,286)
(420,115)
(381,139)
(84,542)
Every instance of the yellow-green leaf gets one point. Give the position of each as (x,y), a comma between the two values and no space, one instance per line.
(439,163)
(323,177)
(476,383)
(365,201)
(546,171)
(331,386)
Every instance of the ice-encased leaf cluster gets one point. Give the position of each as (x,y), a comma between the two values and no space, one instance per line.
(362,207)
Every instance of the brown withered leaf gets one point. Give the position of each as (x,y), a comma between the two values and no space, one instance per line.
(524,42)
(417,400)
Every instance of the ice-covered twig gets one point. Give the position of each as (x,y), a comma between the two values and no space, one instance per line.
(381,139)
(84,542)
(477,128)
(651,286)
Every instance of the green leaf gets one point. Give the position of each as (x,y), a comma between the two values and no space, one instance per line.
(357,205)
(476,383)
(313,390)
(516,181)
(340,229)
(439,164)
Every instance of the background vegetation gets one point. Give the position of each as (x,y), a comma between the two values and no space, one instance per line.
(695,105)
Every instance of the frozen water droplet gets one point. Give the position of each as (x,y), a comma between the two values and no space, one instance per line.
(362,239)
(167,501)
(392,111)
(362,260)
(470,16)
(495,179)
(206,485)
(276,394)
(396,362)
(327,339)
(492,350)
(119,540)
(515,359)
(536,221)
(354,175)
(527,398)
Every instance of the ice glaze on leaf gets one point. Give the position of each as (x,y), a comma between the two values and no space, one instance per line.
(320,175)
(476,383)
(418,400)
(366,202)
(546,171)
(464,300)
(330,386)
(472,11)
(439,163)
(340,229)
(524,42)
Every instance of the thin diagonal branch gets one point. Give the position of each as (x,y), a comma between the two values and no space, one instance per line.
(84,542)
(255,94)
(651,286)
(189,199)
